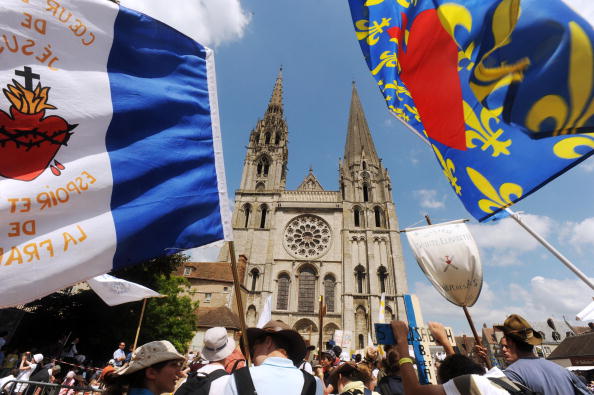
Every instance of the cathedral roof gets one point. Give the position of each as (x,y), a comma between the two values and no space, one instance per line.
(310,183)
(359,143)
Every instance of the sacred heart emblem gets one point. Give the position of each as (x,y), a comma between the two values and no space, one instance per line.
(29,140)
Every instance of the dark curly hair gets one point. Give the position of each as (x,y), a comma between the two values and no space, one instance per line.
(457,365)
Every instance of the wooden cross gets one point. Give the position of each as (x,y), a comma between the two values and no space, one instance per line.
(28,75)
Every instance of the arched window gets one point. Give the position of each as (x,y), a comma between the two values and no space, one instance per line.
(277,139)
(247,210)
(360,277)
(357,216)
(307,290)
(365,193)
(263,166)
(257,138)
(282,296)
(379,217)
(382,273)
(329,331)
(260,187)
(255,275)
(263,212)
(267,138)
(361,325)
(329,285)
(251,315)
(364,165)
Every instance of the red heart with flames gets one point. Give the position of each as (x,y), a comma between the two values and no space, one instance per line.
(29,140)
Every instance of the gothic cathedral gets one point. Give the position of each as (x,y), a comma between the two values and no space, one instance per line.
(305,243)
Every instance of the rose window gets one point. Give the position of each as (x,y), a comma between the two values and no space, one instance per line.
(307,236)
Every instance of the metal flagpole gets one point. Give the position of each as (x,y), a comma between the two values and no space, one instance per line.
(139,323)
(239,301)
(548,246)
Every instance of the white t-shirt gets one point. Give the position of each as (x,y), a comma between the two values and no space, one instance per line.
(477,385)
(117,354)
(217,387)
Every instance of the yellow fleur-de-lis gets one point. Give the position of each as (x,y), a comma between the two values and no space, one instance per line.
(481,131)
(413,111)
(464,58)
(399,113)
(372,2)
(448,168)
(580,78)
(399,89)
(451,16)
(406,3)
(566,148)
(387,59)
(494,199)
(504,22)
(371,32)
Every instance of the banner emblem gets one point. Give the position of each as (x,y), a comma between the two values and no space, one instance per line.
(29,140)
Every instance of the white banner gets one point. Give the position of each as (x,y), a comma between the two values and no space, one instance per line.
(266,314)
(449,257)
(116,291)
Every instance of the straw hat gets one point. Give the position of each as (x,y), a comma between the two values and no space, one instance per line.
(149,354)
(516,326)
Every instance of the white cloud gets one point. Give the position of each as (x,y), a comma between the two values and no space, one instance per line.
(428,198)
(579,234)
(509,235)
(535,300)
(210,22)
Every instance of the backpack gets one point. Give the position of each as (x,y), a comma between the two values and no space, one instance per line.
(245,384)
(198,383)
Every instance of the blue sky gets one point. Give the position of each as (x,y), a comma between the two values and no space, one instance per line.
(315,43)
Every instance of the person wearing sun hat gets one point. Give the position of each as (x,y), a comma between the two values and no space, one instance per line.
(538,374)
(276,351)
(212,378)
(154,369)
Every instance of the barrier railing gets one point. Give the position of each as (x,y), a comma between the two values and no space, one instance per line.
(14,387)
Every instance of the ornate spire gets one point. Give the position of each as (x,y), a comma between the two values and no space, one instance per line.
(275,105)
(359,143)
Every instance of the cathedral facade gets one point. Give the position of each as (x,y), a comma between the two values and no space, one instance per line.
(310,242)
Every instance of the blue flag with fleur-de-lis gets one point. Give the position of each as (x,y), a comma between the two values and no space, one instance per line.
(482,82)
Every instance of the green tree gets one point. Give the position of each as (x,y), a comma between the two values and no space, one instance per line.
(173,317)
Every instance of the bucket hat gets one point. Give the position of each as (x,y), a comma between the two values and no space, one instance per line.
(296,351)
(516,326)
(149,354)
(217,345)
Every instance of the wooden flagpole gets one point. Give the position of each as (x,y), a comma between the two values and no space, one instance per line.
(321,322)
(139,323)
(239,301)
(469,319)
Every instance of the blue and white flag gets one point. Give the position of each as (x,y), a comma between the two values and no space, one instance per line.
(110,148)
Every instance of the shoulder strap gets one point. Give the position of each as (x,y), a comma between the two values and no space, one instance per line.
(309,384)
(244,382)
(217,374)
(234,368)
(384,387)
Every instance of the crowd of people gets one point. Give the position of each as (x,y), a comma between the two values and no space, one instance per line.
(282,363)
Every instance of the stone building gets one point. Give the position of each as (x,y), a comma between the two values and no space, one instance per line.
(305,243)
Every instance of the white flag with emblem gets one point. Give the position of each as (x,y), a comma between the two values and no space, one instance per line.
(116,291)
(449,257)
